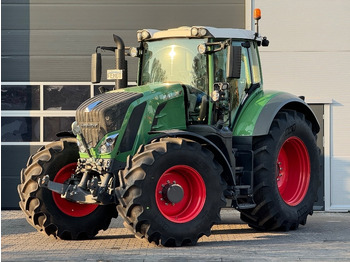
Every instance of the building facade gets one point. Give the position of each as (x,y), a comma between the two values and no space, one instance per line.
(45,72)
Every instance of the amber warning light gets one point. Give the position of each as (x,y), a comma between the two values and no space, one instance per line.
(257,14)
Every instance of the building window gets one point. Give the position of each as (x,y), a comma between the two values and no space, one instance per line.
(33,113)
(53,125)
(105,88)
(20,97)
(20,129)
(61,97)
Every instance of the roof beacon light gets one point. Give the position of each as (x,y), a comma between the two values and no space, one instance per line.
(257,14)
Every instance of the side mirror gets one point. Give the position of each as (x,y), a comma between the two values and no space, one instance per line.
(233,62)
(96,68)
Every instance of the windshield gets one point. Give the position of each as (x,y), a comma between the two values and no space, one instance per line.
(174,60)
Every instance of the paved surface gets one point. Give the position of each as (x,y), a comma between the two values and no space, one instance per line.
(326,237)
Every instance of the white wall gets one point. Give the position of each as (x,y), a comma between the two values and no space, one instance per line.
(309,54)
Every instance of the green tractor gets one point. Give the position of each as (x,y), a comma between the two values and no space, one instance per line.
(197,133)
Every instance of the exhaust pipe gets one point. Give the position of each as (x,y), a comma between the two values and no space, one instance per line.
(120,62)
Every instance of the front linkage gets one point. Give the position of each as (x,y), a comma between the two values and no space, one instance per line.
(92,183)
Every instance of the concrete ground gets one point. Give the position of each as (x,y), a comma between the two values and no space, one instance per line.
(326,237)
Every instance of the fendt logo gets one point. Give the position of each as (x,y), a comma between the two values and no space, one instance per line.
(89,125)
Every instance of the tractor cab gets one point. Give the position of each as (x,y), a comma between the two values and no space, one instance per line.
(216,66)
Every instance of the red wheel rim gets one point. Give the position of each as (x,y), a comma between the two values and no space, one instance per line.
(192,199)
(293,171)
(67,207)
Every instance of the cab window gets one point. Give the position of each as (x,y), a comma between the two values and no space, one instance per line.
(254,61)
(238,86)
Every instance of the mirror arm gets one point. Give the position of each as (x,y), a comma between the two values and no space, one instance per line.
(106,48)
(222,45)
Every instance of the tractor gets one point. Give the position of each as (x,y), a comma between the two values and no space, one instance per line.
(196,134)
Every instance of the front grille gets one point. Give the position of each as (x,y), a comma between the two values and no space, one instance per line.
(103,114)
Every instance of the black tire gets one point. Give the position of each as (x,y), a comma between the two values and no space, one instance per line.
(148,212)
(284,194)
(49,213)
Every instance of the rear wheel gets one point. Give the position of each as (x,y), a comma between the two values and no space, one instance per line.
(293,171)
(46,210)
(171,192)
(286,174)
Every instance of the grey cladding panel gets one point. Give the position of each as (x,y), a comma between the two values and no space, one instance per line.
(117,2)
(120,16)
(61,42)
(10,173)
(57,68)
(53,40)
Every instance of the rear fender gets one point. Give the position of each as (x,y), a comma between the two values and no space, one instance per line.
(257,116)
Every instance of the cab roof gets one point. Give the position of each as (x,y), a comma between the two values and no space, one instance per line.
(196,32)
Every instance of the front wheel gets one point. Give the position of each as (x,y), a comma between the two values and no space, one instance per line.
(286,174)
(46,210)
(171,192)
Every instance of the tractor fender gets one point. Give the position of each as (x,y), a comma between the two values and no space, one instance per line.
(228,173)
(263,108)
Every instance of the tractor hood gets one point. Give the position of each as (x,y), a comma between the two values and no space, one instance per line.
(151,107)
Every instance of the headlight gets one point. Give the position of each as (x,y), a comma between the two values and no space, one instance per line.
(202,48)
(76,128)
(108,143)
(81,146)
